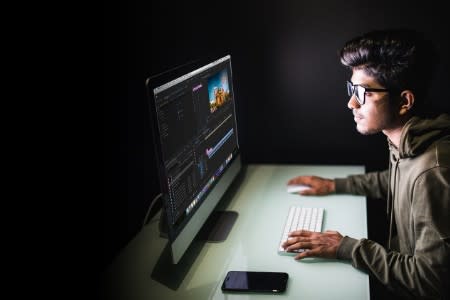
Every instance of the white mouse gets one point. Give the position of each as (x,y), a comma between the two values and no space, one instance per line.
(295,188)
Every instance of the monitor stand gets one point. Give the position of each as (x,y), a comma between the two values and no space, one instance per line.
(217,226)
(215,229)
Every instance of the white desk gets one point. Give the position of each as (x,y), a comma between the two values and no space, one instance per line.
(262,203)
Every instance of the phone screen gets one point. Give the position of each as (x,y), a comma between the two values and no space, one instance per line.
(268,282)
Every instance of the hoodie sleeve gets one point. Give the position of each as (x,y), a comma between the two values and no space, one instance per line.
(426,272)
(374,184)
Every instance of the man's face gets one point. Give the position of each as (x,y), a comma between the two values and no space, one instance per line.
(377,113)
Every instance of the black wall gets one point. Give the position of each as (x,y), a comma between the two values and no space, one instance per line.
(289,84)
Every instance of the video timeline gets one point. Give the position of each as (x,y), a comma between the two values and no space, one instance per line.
(211,151)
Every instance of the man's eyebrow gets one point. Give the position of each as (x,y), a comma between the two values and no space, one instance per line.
(365,85)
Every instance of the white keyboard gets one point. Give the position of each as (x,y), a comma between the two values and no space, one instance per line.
(298,218)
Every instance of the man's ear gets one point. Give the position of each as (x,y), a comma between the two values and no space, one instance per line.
(406,102)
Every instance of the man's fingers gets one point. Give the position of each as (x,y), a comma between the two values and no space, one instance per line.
(299,245)
(300,233)
(300,180)
(319,244)
(295,240)
(308,253)
(308,192)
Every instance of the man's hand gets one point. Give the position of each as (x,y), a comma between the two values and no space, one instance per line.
(319,186)
(317,244)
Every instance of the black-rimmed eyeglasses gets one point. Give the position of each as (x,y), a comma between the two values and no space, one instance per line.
(360,91)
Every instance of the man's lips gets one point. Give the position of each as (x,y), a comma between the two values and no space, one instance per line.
(357,116)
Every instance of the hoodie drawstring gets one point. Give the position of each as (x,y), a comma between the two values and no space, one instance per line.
(390,199)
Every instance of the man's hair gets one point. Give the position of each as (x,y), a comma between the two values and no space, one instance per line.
(399,59)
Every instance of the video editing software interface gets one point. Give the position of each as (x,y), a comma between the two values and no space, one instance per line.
(198,135)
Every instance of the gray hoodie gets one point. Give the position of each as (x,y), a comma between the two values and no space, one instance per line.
(417,189)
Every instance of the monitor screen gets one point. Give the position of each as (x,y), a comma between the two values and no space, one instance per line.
(196,141)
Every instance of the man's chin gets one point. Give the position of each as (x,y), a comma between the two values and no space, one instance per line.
(365,131)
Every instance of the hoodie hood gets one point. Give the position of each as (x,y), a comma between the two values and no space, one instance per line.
(418,134)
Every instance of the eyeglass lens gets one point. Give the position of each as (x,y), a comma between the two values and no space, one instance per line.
(359,91)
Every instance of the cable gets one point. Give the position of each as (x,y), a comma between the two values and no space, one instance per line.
(154,201)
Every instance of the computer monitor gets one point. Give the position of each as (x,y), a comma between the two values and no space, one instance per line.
(195,134)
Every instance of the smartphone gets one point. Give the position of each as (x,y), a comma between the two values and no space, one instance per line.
(259,282)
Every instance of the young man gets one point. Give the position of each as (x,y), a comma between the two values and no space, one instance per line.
(390,72)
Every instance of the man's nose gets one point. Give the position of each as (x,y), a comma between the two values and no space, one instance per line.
(353,103)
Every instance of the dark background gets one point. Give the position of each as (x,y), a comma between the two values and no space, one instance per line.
(288,83)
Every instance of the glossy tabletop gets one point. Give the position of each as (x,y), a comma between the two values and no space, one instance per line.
(142,270)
